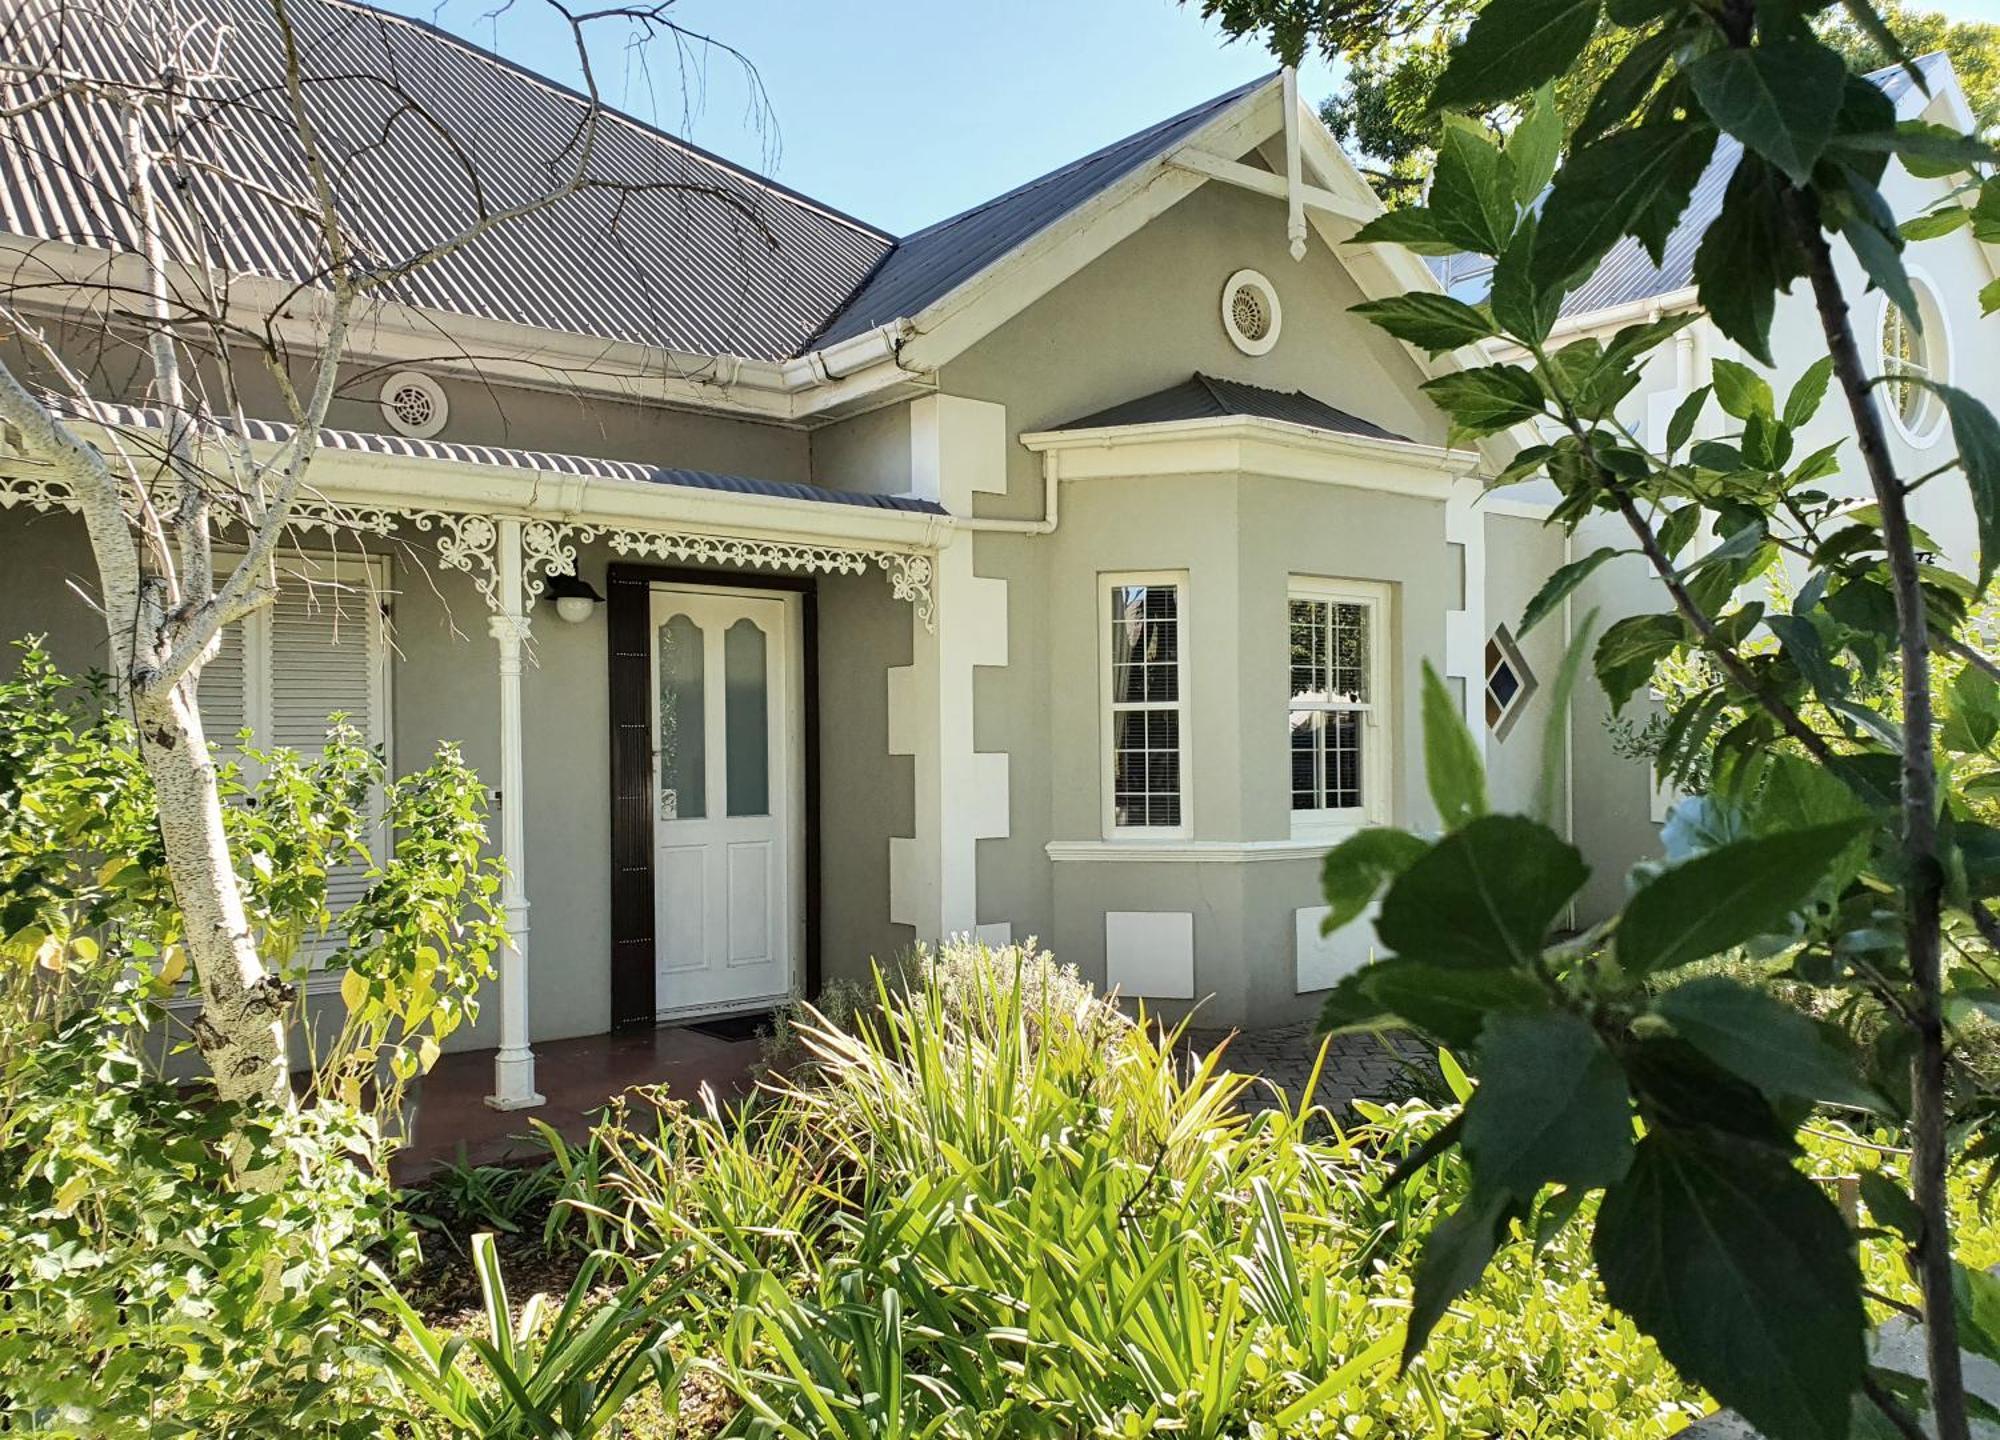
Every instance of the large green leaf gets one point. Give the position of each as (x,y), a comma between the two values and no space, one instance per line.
(1627,652)
(1743,1271)
(1456,774)
(1557,587)
(1779,99)
(1433,323)
(1535,146)
(1455,1255)
(1808,391)
(1449,1005)
(1472,189)
(1485,895)
(1412,227)
(1356,869)
(1728,896)
(1488,399)
(1512,47)
(1523,309)
(1978,438)
(1746,257)
(1759,1038)
(1741,391)
(1552,1107)
(1605,191)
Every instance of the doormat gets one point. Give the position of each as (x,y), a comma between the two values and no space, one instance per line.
(735,1027)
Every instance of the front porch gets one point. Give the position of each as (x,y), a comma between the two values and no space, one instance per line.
(455,1121)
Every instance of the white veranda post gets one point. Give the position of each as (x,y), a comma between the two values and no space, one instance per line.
(514,1065)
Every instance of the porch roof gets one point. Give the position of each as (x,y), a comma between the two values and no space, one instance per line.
(369,442)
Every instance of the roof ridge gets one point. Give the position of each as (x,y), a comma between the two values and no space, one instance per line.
(1050,177)
(644,127)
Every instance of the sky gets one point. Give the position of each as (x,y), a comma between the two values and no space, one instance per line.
(901,112)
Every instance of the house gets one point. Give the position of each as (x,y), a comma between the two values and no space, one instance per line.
(1066,568)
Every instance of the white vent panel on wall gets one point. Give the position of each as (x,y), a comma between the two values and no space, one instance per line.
(1149,954)
(1323,961)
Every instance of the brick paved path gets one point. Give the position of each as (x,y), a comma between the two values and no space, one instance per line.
(1362,1067)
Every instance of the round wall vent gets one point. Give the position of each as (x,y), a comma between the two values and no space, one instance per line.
(414,405)
(1250,312)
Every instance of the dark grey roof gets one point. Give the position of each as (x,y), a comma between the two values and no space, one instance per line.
(549,462)
(677,248)
(1204,397)
(936,260)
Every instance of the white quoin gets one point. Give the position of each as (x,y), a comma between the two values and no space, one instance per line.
(514,1065)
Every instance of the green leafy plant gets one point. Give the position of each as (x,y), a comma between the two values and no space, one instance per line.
(566,1372)
(1833,832)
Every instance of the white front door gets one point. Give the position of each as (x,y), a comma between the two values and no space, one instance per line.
(727,777)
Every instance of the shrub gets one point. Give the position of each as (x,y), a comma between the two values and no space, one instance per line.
(997,1207)
(171,1265)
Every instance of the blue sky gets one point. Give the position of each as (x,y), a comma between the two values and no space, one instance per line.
(902,112)
(897,111)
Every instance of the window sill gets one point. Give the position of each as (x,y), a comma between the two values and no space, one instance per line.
(1183,852)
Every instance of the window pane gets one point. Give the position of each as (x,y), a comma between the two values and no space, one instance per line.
(1145,644)
(1307,729)
(683,769)
(1343,760)
(1145,768)
(1308,656)
(1348,661)
(746,719)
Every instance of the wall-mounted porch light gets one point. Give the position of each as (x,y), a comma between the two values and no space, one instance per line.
(575,597)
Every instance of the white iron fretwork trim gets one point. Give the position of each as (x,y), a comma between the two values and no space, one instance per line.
(469,542)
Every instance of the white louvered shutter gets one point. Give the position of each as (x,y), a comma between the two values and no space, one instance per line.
(222,694)
(326,650)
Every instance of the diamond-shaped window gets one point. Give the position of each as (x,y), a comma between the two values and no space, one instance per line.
(1510,684)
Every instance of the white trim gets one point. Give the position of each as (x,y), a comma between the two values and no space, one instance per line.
(1936,338)
(1262,182)
(1515,509)
(1182,852)
(1378,716)
(1275,311)
(1231,444)
(1183,705)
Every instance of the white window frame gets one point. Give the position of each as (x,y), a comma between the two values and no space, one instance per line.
(1377,754)
(1936,338)
(1107,583)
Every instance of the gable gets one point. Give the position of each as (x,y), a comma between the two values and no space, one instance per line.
(1145,315)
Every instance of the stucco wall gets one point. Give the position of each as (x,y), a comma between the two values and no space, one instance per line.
(1141,318)
(1520,555)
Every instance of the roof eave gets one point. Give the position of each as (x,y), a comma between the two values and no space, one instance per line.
(1200,445)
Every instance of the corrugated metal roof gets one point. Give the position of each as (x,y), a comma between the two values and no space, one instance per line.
(369,442)
(936,260)
(1205,397)
(423,132)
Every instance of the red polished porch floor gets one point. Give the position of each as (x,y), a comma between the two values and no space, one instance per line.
(577,1077)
